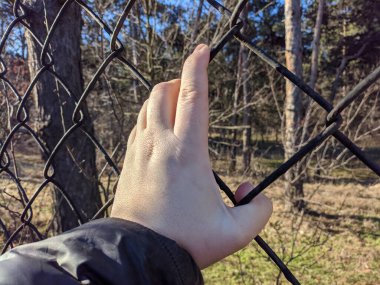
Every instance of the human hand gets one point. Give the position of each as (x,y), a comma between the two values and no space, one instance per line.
(167,182)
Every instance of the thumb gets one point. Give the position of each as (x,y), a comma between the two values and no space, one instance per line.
(252,217)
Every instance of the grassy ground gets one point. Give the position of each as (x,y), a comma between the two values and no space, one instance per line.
(338,242)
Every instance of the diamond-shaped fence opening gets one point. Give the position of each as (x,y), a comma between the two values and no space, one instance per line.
(30,220)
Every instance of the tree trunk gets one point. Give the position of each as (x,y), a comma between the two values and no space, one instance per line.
(315,45)
(313,78)
(293,56)
(74,163)
(234,118)
(247,141)
(134,33)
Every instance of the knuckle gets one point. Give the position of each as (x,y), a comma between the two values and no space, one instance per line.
(175,81)
(158,148)
(189,93)
(147,146)
(161,87)
(151,146)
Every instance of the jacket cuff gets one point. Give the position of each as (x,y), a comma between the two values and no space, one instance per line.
(105,251)
(164,261)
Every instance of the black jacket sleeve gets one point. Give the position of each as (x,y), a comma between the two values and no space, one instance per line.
(105,251)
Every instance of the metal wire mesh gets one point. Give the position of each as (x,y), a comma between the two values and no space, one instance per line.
(116,48)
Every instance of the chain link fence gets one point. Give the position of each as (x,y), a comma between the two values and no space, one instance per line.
(116,48)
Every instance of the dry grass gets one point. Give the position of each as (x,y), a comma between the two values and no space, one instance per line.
(12,207)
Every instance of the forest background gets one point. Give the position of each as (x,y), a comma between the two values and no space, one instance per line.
(326,223)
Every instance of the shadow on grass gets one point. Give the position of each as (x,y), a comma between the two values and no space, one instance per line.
(360,218)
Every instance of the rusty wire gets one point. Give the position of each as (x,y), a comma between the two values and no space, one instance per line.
(333,117)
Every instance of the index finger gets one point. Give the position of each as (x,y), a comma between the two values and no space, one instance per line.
(191,123)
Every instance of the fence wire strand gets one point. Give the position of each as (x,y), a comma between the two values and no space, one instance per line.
(116,48)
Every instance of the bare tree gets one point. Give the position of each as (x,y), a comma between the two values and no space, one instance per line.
(234,117)
(247,132)
(293,55)
(74,163)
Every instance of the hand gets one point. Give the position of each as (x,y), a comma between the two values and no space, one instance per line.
(167,182)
